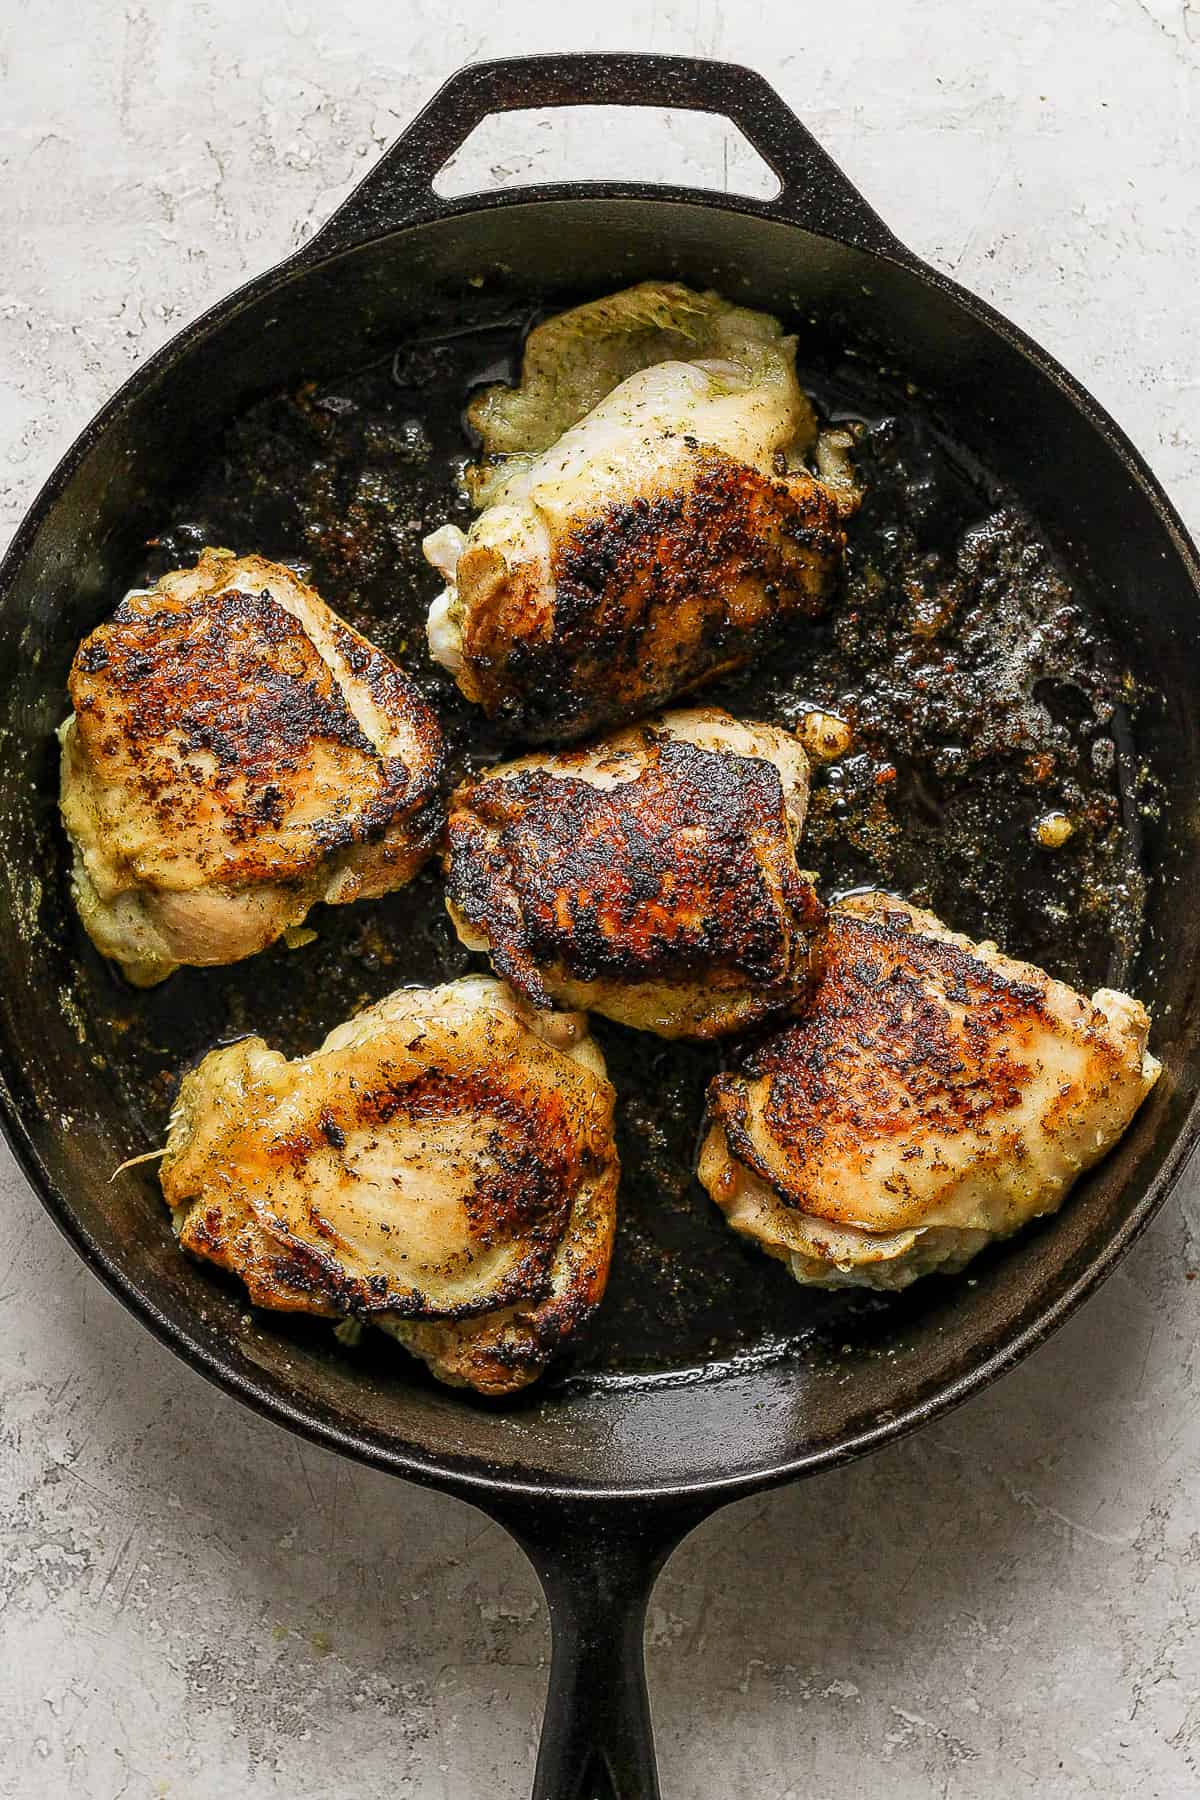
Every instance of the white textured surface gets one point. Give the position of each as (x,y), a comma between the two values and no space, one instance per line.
(193,1604)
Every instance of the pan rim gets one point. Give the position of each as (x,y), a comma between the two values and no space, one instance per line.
(468,1482)
(401,1456)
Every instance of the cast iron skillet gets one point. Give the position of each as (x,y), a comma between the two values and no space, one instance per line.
(597,1485)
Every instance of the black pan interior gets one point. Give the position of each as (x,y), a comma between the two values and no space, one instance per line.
(1004,557)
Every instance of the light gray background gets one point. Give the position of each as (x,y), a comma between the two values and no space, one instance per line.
(194,1604)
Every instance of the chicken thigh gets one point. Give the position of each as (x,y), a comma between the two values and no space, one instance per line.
(647,514)
(442,1167)
(236,754)
(937,1096)
(651,876)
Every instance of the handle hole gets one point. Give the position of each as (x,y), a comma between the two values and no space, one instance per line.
(584,143)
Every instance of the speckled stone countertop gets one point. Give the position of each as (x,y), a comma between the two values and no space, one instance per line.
(193,1604)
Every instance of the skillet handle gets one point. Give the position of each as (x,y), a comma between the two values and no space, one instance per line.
(597,1567)
(399,189)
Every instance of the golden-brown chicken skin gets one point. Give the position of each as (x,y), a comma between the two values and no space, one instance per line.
(443,1167)
(648,518)
(651,876)
(937,1095)
(237,753)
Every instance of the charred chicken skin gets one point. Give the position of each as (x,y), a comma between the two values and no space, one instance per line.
(647,513)
(237,753)
(651,876)
(937,1095)
(443,1167)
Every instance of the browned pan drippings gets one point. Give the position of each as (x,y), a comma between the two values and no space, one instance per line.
(982,695)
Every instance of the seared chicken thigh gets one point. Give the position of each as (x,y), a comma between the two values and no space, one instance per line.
(651,876)
(443,1167)
(937,1096)
(647,513)
(236,754)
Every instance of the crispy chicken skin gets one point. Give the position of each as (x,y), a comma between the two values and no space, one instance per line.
(651,876)
(237,753)
(443,1167)
(937,1096)
(647,515)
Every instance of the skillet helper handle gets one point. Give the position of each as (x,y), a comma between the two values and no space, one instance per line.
(597,1567)
(399,189)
